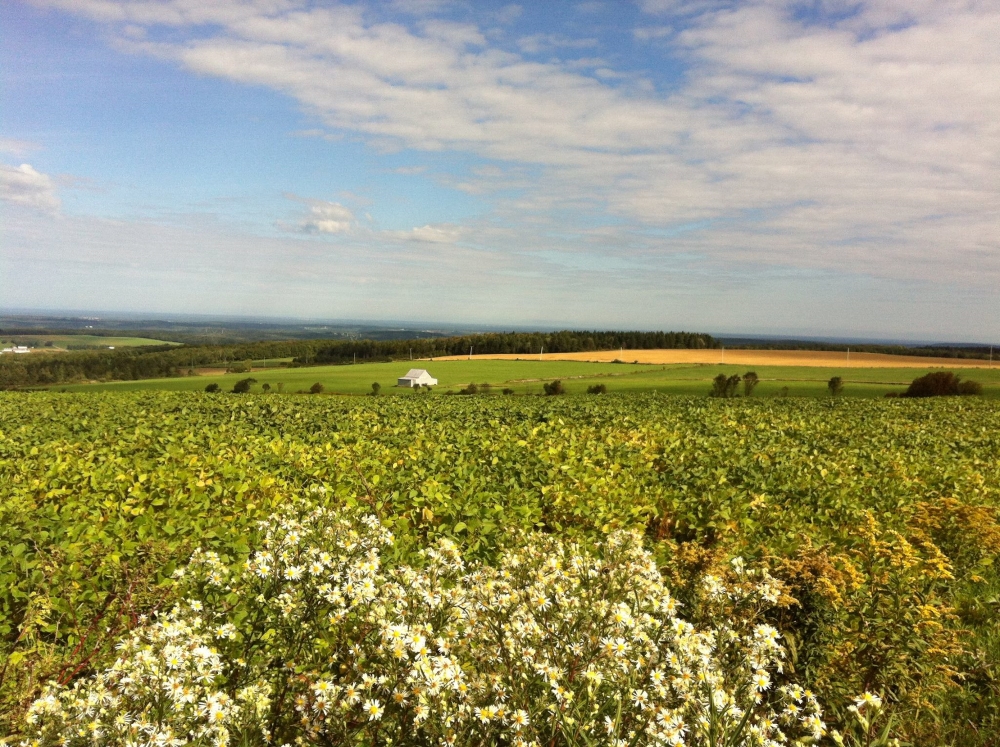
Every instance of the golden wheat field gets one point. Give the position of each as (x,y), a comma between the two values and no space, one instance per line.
(746,358)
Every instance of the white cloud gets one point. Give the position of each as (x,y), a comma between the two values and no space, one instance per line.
(866,132)
(324,217)
(25,186)
(441,233)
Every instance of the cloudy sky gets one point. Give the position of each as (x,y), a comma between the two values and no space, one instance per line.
(825,167)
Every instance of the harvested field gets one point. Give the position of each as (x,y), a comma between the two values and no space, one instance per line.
(739,357)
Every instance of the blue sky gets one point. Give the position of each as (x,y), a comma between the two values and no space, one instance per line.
(760,166)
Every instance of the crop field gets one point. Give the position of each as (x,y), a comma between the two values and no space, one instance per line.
(741,357)
(60,342)
(528,376)
(880,518)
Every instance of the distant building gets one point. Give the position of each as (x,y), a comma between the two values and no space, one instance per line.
(416,377)
(16,349)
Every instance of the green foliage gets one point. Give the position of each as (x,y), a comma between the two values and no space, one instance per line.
(212,388)
(941,384)
(864,507)
(970,387)
(376,388)
(724,386)
(317,388)
(239,367)
(835,385)
(554,387)
(750,382)
(597,389)
(243,385)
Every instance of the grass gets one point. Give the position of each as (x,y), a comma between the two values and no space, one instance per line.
(527,377)
(98,341)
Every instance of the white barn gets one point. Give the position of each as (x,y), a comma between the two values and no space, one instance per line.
(416,377)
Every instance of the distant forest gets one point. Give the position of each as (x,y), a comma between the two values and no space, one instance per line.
(130,364)
(975,352)
(509,343)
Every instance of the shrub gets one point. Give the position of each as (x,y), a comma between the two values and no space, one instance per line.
(970,387)
(265,386)
(941,384)
(470,389)
(212,388)
(725,386)
(597,389)
(376,388)
(243,385)
(316,388)
(508,390)
(554,387)
(750,382)
(319,639)
(835,385)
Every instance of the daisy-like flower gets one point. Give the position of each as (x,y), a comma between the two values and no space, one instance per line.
(373,709)
(868,700)
(518,719)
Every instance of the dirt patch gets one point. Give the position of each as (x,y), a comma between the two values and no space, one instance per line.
(745,358)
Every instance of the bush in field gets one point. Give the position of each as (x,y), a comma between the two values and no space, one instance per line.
(212,388)
(970,387)
(597,389)
(507,390)
(317,639)
(941,384)
(725,386)
(835,385)
(316,388)
(265,387)
(470,389)
(243,385)
(750,382)
(554,388)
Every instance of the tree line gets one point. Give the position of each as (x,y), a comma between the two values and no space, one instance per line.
(130,364)
(509,343)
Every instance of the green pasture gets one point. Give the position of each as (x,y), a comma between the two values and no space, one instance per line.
(528,377)
(61,341)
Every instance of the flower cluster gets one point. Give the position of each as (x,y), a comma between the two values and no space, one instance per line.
(165,689)
(319,639)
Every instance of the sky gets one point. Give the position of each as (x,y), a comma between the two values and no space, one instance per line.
(825,167)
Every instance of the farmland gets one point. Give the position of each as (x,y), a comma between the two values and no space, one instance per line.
(747,357)
(63,342)
(880,516)
(527,377)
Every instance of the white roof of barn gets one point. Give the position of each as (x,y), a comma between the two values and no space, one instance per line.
(414,373)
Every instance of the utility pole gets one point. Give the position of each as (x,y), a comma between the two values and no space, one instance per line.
(540,351)
(723,353)
(848,355)
(470,352)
